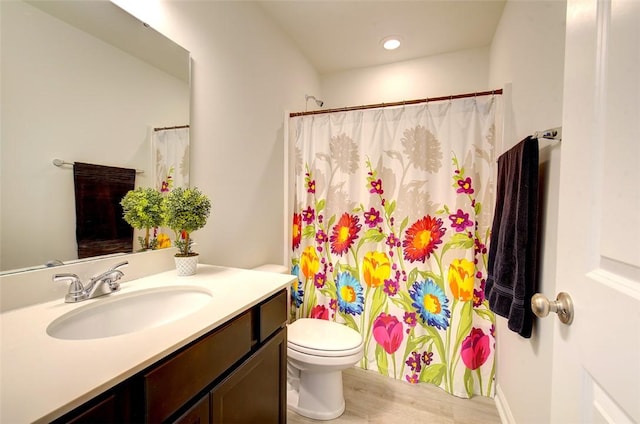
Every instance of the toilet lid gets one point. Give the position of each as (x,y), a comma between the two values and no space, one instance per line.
(322,335)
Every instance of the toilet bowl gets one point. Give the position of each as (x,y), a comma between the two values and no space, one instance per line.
(317,352)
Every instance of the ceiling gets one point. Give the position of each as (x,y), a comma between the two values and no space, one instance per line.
(337,35)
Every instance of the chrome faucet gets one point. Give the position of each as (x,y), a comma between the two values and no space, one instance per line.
(102,284)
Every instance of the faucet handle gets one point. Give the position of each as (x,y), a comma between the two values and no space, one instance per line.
(112,276)
(76,289)
(121,264)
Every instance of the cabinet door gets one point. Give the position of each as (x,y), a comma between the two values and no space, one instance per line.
(169,386)
(256,391)
(197,414)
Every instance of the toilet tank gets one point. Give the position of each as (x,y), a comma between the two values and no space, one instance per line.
(279,269)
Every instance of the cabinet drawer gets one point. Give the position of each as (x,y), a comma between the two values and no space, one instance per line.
(173,383)
(273,315)
(103,412)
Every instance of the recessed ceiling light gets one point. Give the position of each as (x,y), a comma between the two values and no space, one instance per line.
(391,42)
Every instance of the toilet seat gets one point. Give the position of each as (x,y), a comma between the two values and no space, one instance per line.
(324,338)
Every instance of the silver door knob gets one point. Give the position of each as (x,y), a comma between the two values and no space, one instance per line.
(563,306)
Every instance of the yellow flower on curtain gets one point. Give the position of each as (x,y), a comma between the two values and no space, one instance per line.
(461,279)
(376,268)
(309,262)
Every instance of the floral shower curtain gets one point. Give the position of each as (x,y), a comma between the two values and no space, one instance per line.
(170,147)
(391,219)
(171,157)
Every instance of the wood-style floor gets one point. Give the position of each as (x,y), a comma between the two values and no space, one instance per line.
(374,398)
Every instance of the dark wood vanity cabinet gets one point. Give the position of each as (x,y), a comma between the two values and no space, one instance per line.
(235,374)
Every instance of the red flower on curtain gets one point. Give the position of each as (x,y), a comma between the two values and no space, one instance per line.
(296,231)
(475,349)
(422,238)
(344,233)
(319,312)
(388,332)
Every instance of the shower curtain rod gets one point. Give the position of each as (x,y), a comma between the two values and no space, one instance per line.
(402,103)
(171,128)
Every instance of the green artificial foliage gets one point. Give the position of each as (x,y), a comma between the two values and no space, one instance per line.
(142,209)
(185,210)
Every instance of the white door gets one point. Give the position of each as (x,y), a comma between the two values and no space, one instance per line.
(596,371)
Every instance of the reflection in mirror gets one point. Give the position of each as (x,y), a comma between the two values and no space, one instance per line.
(81,82)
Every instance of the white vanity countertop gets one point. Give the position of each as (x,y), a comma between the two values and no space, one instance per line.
(42,378)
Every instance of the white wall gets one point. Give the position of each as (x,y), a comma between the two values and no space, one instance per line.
(68,95)
(458,72)
(528,52)
(246,73)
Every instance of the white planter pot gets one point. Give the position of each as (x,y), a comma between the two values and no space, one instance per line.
(186,265)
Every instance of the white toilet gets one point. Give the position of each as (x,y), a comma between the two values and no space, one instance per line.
(317,352)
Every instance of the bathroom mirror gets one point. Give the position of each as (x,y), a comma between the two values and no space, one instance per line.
(81,81)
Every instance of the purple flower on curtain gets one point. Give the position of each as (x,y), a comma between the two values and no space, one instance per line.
(414,361)
(344,233)
(349,291)
(478,295)
(376,187)
(321,237)
(392,241)
(413,378)
(479,247)
(431,303)
(475,349)
(427,357)
(391,287)
(333,304)
(410,319)
(460,221)
(464,186)
(372,218)
(319,279)
(308,215)
(387,331)
(311,186)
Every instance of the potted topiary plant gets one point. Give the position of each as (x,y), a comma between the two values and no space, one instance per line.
(185,210)
(142,209)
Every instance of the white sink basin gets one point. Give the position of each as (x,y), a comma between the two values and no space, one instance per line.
(127,313)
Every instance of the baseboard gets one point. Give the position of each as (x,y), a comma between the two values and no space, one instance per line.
(506,417)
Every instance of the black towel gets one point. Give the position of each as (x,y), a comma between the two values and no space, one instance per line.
(100,228)
(511,280)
